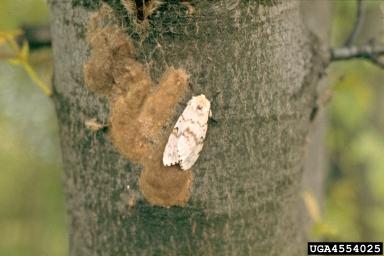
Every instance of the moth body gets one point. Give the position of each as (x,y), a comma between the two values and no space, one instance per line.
(187,137)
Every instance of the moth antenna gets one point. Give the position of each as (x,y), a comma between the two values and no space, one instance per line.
(216,94)
(190,85)
(212,119)
(182,104)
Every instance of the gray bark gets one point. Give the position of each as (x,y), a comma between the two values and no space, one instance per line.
(245,197)
(317,18)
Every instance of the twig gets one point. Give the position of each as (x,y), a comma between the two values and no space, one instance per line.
(370,52)
(377,62)
(37,36)
(357,24)
(35,78)
(20,56)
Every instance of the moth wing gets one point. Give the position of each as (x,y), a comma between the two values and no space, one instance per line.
(170,156)
(190,144)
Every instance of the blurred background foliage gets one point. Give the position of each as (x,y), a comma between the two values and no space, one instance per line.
(354,202)
(32,212)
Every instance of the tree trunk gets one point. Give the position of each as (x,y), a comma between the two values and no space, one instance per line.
(259,65)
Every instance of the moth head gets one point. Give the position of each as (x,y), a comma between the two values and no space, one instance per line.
(201,104)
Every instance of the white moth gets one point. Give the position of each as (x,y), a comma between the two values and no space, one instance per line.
(186,140)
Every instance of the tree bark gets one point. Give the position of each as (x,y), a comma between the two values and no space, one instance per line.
(317,18)
(259,65)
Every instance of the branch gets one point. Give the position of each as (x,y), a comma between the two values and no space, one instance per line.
(369,52)
(357,24)
(364,51)
(37,36)
(377,62)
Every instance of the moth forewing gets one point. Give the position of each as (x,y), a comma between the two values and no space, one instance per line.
(170,155)
(186,140)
